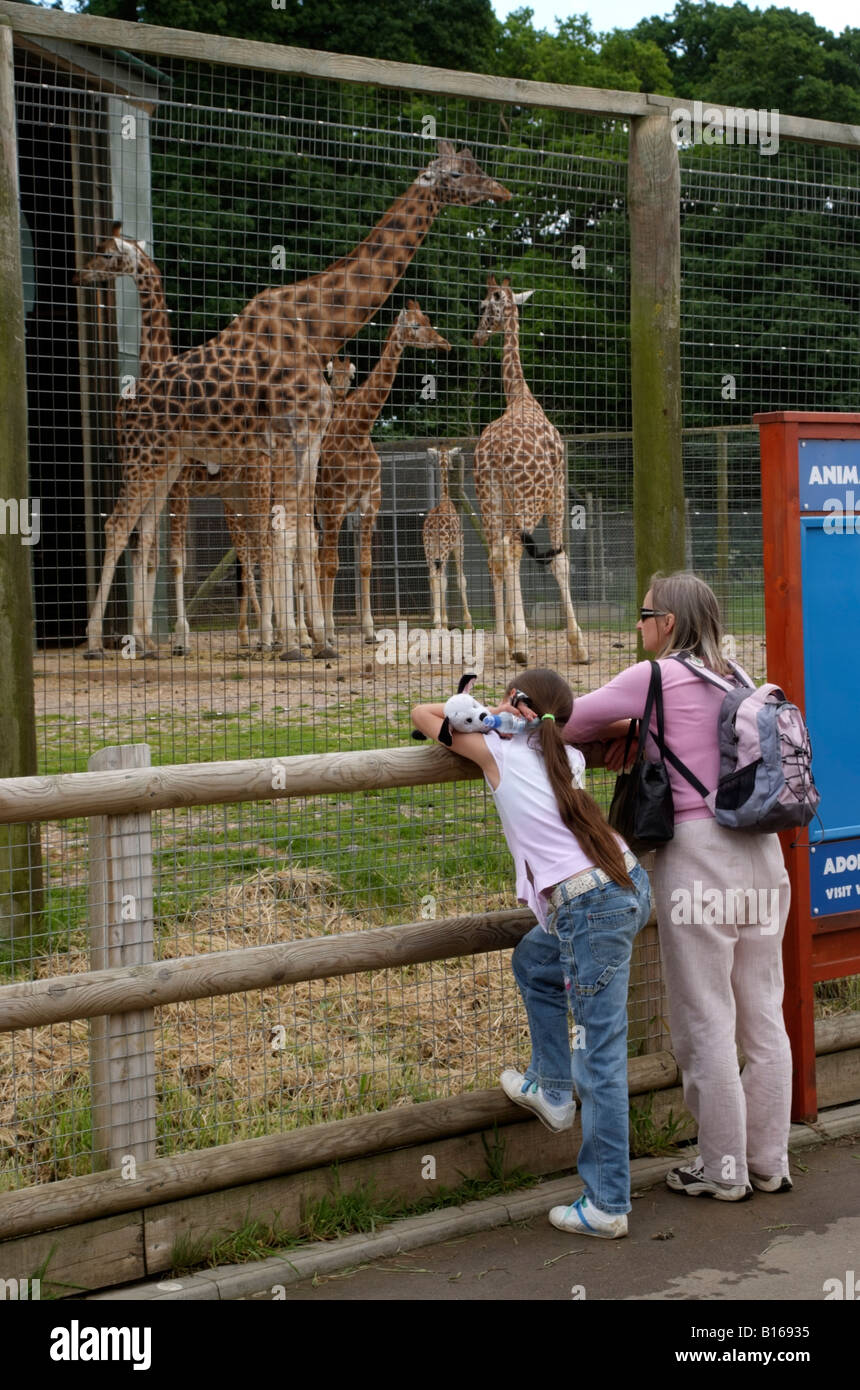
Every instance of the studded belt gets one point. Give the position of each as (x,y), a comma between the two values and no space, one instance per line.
(584,881)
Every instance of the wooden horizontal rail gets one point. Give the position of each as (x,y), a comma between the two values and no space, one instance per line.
(68,794)
(836,1034)
(34,1003)
(73,1200)
(302,62)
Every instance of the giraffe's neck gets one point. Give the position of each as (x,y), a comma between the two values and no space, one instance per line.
(368,399)
(444,498)
(338,302)
(512,372)
(155,340)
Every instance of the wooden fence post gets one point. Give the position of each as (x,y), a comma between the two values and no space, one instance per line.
(122,1046)
(722,561)
(654,192)
(20,845)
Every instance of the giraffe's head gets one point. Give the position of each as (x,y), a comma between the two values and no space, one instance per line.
(340,373)
(499,301)
(414,329)
(116,255)
(444,457)
(458,178)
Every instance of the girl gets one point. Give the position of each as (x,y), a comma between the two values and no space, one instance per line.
(590,897)
(723,976)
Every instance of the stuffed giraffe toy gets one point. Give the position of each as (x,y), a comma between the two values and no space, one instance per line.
(349,471)
(520,477)
(256,396)
(115,256)
(442,534)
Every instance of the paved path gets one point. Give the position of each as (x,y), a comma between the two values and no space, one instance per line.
(773,1247)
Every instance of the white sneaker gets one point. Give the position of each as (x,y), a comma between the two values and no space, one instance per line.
(529,1094)
(691,1179)
(778,1183)
(584,1219)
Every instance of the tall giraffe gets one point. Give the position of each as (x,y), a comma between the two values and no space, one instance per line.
(258,388)
(349,470)
(441,534)
(116,256)
(520,477)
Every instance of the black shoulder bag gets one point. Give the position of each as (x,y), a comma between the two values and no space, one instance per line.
(642,808)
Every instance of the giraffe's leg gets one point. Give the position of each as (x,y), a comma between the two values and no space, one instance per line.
(178,505)
(259,521)
(331,521)
(147,573)
(500,641)
(433,573)
(244,548)
(365,559)
(305,641)
(307,477)
(284,539)
(118,529)
(520,641)
(561,567)
(461,581)
(443,589)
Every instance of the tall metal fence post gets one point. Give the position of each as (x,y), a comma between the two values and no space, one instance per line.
(20,845)
(654,192)
(122,1046)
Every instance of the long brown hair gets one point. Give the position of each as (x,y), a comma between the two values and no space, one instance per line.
(698,625)
(549,694)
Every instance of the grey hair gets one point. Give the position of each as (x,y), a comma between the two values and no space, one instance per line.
(698,625)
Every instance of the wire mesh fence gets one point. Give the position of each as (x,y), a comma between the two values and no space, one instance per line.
(230,184)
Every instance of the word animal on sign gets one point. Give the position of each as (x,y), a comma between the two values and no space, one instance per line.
(442,534)
(350,469)
(520,477)
(256,395)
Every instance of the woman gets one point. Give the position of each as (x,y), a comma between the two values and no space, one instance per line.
(590,897)
(723,976)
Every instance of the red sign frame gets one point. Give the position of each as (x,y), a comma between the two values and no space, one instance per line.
(813,949)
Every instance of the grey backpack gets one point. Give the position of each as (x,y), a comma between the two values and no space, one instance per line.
(765,757)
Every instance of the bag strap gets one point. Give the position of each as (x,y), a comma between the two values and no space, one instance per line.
(655,696)
(711,676)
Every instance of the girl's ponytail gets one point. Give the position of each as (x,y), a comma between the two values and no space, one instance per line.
(552,699)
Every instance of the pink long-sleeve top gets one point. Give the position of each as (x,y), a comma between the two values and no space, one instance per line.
(691,709)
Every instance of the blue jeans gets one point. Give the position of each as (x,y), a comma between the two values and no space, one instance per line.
(583,962)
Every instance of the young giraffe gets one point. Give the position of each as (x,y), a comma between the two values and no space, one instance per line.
(520,477)
(349,470)
(256,395)
(443,533)
(117,256)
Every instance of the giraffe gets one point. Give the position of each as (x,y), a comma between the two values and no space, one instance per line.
(520,477)
(443,533)
(349,471)
(256,395)
(119,255)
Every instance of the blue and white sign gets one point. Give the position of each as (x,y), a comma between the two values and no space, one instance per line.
(829,477)
(834,877)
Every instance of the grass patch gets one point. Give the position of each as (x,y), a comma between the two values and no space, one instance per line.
(361,1210)
(647,1138)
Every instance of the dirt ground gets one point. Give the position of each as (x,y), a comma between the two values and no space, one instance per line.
(215,672)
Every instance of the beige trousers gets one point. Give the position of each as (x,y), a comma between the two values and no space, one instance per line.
(722,899)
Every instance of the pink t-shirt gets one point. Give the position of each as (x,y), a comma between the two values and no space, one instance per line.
(691,710)
(537,836)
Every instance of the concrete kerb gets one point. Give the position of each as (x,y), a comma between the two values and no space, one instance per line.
(261,1278)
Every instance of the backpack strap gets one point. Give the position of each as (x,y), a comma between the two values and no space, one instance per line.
(711,676)
(656,690)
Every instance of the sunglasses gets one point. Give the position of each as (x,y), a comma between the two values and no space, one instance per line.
(645,613)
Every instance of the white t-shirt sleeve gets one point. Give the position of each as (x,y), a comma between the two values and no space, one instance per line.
(577,766)
(496,746)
